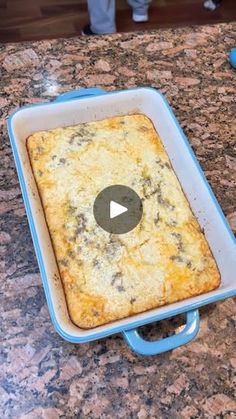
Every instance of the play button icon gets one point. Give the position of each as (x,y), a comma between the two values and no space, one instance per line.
(117,209)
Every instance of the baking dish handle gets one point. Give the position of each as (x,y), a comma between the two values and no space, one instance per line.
(143,347)
(81,93)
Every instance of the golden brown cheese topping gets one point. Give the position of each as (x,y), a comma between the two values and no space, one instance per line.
(105,276)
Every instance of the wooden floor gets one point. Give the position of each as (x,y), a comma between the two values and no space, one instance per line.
(39,19)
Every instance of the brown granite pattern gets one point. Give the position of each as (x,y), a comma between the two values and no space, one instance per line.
(41,376)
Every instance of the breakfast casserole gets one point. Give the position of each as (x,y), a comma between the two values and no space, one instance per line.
(107,277)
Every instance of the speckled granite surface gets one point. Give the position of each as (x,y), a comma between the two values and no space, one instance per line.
(41,376)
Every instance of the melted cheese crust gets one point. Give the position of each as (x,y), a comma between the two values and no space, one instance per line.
(105,276)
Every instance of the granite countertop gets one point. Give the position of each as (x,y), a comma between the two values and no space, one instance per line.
(41,375)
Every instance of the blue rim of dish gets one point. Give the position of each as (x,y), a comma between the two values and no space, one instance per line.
(136,323)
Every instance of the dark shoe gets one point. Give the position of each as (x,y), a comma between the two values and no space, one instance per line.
(87,31)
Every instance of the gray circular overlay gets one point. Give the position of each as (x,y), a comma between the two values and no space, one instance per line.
(121,195)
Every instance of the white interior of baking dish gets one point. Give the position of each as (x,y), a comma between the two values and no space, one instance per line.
(149,102)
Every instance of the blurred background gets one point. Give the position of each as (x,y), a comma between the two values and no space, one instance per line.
(41,19)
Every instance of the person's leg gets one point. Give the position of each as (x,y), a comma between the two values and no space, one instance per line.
(140,9)
(102,16)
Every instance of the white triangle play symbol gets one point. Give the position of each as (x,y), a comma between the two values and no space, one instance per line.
(116,209)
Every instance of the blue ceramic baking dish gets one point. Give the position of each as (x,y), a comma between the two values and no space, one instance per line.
(94,104)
